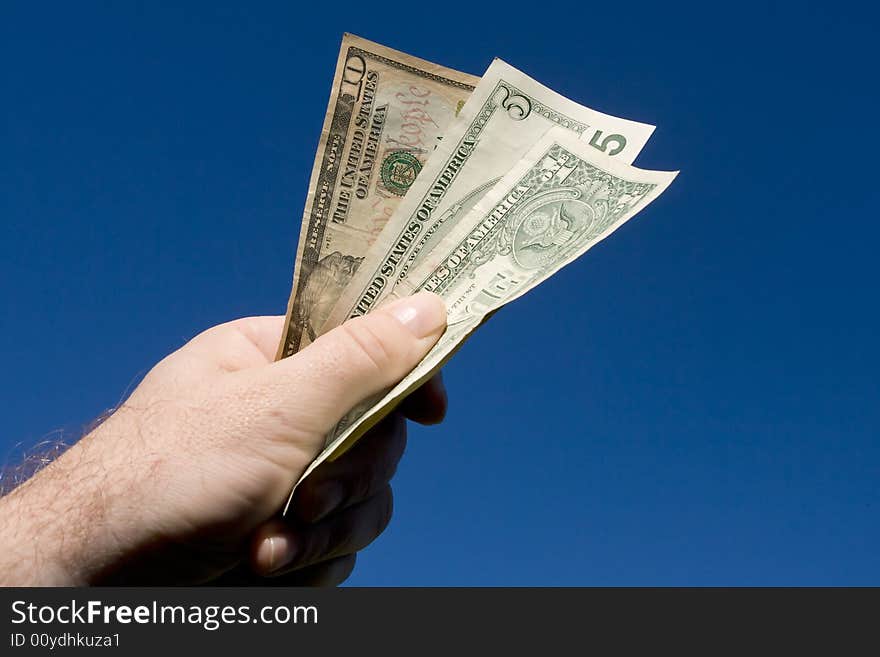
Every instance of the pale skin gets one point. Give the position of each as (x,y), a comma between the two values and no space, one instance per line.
(183,484)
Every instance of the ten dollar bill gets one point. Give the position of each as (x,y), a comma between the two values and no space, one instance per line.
(386,113)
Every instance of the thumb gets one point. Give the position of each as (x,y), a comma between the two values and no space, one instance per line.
(312,390)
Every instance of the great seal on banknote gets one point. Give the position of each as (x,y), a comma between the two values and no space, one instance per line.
(542,228)
(399,171)
(547,225)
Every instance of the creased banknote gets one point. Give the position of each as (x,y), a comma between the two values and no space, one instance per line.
(561,198)
(507,113)
(386,113)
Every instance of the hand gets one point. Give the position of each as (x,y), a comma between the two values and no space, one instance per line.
(339,509)
(184,482)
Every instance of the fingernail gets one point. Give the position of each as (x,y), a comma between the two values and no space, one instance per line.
(423,313)
(275,552)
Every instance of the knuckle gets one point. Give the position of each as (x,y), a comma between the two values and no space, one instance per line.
(386,464)
(374,478)
(318,546)
(375,346)
(385,512)
(348,532)
(361,487)
(343,536)
(344,569)
(334,572)
(398,444)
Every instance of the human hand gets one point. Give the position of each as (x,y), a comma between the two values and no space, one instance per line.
(183,483)
(339,509)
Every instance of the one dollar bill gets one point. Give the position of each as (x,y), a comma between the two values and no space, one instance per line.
(386,114)
(561,198)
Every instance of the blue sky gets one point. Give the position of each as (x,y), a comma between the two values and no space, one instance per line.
(694,402)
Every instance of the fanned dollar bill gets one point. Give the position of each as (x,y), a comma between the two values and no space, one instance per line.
(506,114)
(562,197)
(386,113)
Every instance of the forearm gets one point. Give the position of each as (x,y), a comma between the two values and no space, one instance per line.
(68,523)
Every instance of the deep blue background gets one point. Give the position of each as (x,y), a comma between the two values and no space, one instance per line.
(695,402)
